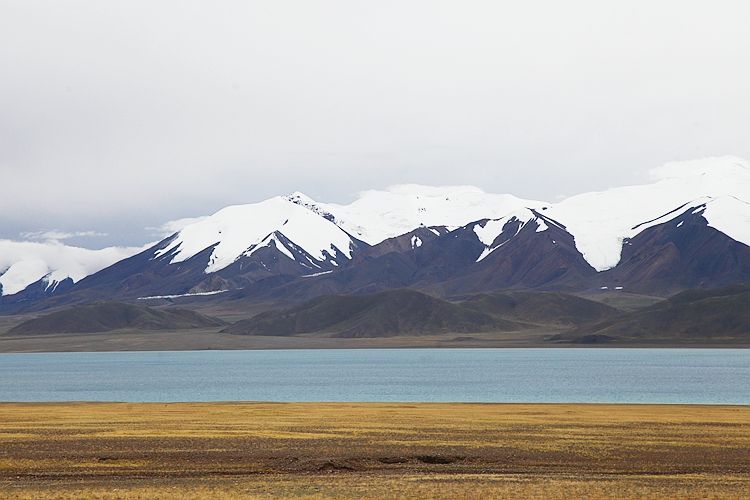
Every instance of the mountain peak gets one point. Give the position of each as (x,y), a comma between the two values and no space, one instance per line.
(285,234)
(235,230)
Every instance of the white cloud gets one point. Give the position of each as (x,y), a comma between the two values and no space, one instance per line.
(140,111)
(699,167)
(55,235)
(23,262)
(173,226)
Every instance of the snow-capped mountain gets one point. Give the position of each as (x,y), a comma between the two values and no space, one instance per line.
(689,227)
(50,264)
(231,249)
(240,231)
(601,221)
(379,215)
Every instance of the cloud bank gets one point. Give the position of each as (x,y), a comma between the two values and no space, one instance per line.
(118,116)
(24,262)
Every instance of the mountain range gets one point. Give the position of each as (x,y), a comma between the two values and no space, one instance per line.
(689,228)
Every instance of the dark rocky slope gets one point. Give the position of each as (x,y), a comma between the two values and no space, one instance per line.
(680,254)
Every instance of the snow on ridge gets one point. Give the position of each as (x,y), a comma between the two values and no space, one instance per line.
(731,216)
(489,231)
(727,214)
(177,296)
(493,228)
(303,200)
(601,221)
(25,262)
(242,229)
(377,215)
(598,221)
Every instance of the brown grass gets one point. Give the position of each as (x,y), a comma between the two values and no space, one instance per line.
(207,450)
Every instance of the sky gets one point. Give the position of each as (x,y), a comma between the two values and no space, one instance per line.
(116,117)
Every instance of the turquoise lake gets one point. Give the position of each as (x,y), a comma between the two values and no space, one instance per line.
(707,376)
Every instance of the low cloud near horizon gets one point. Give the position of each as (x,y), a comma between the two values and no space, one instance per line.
(117,117)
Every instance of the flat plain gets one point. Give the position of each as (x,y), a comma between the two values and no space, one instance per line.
(368,450)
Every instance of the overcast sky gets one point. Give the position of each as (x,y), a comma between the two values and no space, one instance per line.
(119,116)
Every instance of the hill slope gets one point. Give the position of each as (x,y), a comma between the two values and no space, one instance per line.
(108,316)
(408,312)
(391,313)
(547,308)
(692,316)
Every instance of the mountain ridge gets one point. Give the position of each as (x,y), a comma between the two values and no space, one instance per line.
(688,228)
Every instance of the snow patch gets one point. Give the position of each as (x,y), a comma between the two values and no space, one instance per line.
(316,274)
(197,294)
(542,226)
(490,231)
(493,228)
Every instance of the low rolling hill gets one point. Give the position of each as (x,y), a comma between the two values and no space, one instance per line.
(408,312)
(385,314)
(543,308)
(109,316)
(694,316)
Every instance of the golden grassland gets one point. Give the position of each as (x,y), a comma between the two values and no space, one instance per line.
(369,450)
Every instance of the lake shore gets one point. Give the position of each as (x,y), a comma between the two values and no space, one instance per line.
(214,341)
(377,450)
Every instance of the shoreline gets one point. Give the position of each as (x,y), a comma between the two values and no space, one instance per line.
(111,344)
(371,403)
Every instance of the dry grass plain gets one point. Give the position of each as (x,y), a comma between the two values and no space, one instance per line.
(226,450)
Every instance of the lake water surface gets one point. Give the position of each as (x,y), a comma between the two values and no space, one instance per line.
(709,376)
